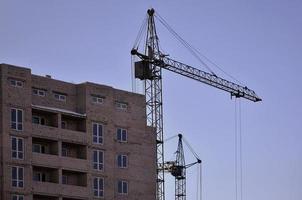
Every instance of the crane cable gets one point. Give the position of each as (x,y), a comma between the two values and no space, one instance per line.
(183,42)
(238,151)
(195,52)
(199,183)
(140,33)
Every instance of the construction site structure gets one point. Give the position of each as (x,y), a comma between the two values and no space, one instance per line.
(178,168)
(149,69)
(66,141)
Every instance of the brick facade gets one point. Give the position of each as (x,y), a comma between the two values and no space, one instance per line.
(58,144)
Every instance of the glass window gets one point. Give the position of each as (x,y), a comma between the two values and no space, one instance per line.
(38,92)
(64,179)
(121,105)
(38,120)
(122,161)
(60,97)
(97,134)
(39,148)
(122,187)
(98,159)
(98,187)
(17,147)
(97,99)
(64,151)
(16,83)
(17,119)
(39,176)
(121,135)
(17,176)
(17,197)
(63,124)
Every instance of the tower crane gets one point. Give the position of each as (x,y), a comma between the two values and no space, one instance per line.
(178,169)
(149,69)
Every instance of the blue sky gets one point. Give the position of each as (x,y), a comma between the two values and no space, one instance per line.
(259,42)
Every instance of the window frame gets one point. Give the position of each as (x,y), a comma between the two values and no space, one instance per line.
(14,83)
(41,146)
(65,150)
(97,162)
(123,183)
(100,191)
(16,122)
(122,159)
(37,93)
(18,197)
(39,120)
(42,176)
(66,179)
(18,180)
(121,105)
(119,136)
(58,96)
(97,99)
(64,126)
(98,138)
(17,151)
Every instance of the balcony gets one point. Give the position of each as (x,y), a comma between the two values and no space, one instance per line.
(45,146)
(44,197)
(54,189)
(74,178)
(45,153)
(58,123)
(45,174)
(74,123)
(44,118)
(74,150)
(59,134)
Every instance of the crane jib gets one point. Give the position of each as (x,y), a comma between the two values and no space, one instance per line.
(143,71)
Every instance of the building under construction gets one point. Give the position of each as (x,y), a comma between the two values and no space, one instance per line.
(64,141)
(87,141)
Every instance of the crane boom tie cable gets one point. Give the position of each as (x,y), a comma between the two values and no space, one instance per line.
(196,53)
(238,151)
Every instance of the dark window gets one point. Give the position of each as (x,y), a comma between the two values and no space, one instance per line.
(64,151)
(17,197)
(39,176)
(63,124)
(38,120)
(98,159)
(122,161)
(16,83)
(64,179)
(98,187)
(39,148)
(97,130)
(38,92)
(121,135)
(17,119)
(60,97)
(97,100)
(17,147)
(122,187)
(17,177)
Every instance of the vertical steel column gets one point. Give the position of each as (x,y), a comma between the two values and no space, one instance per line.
(180,180)
(154,106)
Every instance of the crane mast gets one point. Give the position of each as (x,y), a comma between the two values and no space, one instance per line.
(154,108)
(149,70)
(178,169)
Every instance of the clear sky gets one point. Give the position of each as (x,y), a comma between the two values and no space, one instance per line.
(257,41)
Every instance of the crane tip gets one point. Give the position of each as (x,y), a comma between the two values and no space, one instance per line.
(151,12)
